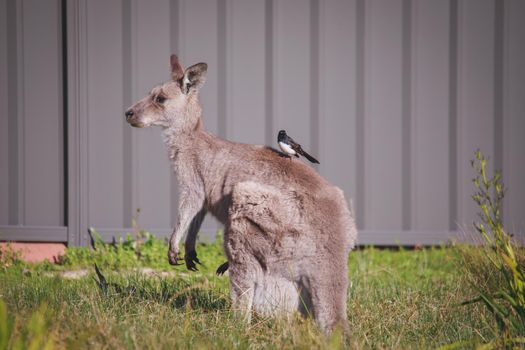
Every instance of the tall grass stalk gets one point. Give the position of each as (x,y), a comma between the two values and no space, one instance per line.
(506,301)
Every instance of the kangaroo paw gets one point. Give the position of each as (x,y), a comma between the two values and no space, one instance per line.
(191,258)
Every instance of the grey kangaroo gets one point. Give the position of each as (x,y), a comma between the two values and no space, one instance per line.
(288,232)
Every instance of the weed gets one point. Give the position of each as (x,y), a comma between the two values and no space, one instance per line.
(498,273)
(9,256)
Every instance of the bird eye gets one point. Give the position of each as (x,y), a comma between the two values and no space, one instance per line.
(160,99)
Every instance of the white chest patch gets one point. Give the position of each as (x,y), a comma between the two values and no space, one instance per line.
(286,148)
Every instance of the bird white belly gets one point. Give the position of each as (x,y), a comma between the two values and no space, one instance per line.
(286,148)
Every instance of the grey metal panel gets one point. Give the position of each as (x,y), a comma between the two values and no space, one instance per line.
(4,119)
(198,25)
(383,117)
(476,96)
(514,117)
(105,113)
(33,233)
(337,89)
(42,99)
(245,73)
(151,168)
(430,202)
(291,74)
(198,43)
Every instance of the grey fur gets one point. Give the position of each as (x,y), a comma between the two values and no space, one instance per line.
(288,232)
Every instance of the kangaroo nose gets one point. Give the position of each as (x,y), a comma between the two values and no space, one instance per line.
(129,114)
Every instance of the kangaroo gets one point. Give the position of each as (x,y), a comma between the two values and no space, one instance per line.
(288,232)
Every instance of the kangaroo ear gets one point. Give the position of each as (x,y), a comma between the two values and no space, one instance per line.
(194,77)
(176,68)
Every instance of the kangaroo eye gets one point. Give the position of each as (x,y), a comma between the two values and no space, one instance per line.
(160,99)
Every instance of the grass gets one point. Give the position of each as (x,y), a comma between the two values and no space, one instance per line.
(397,299)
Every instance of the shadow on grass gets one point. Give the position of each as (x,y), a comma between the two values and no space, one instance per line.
(178,293)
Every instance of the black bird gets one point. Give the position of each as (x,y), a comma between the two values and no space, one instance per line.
(292,148)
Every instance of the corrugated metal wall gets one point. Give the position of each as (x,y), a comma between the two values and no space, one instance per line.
(32,191)
(393,96)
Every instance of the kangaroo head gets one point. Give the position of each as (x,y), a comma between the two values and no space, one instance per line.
(173,104)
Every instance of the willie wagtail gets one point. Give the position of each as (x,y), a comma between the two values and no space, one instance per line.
(292,148)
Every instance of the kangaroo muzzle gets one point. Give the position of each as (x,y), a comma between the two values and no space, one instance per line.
(132,118)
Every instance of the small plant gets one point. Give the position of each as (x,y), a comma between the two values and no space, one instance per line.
(506,302)
(9,256)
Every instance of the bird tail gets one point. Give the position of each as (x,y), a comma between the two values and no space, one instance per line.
(309,157)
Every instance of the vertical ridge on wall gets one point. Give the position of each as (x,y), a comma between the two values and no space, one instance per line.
(222,67)
(65,108)
(453,114)
(20,115)
(269,70)
(13,33)
(4,118)
(314,79)
(499,117)
(406,115)
(127,87)
(360,114)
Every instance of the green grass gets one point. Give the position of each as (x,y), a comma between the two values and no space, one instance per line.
(397,299)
